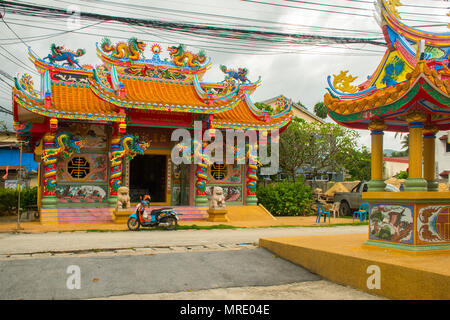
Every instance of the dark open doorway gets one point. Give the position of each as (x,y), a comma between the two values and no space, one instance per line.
(148,176)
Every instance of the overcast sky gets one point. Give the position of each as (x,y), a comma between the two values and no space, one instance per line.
(298,72)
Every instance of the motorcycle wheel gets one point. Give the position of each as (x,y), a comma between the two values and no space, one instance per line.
(133,224)
(172,221)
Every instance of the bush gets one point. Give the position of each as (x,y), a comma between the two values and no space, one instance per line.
(28,197)
(9,197)
(8,202)
(286,198)
(401,175)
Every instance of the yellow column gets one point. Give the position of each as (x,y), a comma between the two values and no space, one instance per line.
(415,181)
(376,128)
(429,170)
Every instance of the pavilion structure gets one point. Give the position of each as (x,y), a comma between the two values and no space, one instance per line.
(409,92)
(94,129)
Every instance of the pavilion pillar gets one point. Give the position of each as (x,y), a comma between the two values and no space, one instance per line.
(429,166)
(415,181)
(376,184)
(201,174)
(49,159)
(115,171)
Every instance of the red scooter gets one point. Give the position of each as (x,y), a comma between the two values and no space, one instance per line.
(164,217)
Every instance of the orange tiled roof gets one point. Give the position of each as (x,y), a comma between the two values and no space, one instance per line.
(240,117)
(71,101)
(145,93)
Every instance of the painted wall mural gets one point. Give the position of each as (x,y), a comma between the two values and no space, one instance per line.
(231,193)
(93,166)
(433,224)
(392,223)
(81,194)
(95,135)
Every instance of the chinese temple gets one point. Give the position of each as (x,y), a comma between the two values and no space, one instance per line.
(94,129)
(408,92)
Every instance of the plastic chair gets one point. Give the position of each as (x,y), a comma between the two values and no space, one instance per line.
(320,212)
(362,212)
(335,209)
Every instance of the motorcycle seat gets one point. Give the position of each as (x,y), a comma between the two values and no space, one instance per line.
(156,211)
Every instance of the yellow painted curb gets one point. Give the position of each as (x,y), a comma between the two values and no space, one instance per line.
(344,259)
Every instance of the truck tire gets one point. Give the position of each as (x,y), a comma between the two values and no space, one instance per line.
(344,209)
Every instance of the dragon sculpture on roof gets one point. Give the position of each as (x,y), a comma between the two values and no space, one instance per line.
(58,53)
(132,50)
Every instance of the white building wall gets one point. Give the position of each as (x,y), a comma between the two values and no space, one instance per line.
(393,167)
(442,157)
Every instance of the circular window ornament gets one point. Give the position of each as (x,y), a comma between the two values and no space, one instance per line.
(78,167)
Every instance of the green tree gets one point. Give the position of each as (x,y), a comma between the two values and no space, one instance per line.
(300,104)
(320,110)
(315,147)
(263,106)
(399,154)
(405,143)
(358,164)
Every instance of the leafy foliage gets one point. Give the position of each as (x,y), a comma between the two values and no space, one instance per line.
(286,198)
(9,197)
(265,107)
(399,154)
(401,175)
(358,164)
(405,143)
(300,104)
(320,110)
(314,147)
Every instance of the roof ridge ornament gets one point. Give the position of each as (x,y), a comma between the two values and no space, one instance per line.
(59,53)
(182,58)
(392,5)
(240,74)
(342,82)
(132,50)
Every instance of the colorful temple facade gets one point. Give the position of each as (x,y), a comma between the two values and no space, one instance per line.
(94,129)
(409,92)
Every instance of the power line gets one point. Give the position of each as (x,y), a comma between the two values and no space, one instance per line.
(353,8)
(319,10)
(230,33)
(4,110)
(403,4)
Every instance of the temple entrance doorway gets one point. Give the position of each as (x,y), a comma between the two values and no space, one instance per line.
(148,175)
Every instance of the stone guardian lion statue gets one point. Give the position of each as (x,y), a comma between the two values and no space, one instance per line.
(123,198)
(217,199)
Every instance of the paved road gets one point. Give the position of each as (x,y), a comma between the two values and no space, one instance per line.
(120,275)
(189,264)
(200,274)
(75,241)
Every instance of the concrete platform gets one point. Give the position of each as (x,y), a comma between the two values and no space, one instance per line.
(346,260)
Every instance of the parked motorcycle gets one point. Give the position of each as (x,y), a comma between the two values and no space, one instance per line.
(164,217)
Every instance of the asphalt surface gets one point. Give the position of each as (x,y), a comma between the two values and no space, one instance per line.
(11,243)
(146,274)
(185,264)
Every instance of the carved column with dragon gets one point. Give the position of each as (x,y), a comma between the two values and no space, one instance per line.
(201,199)
(115,172)
(53,146)
(49,175)
(252,177)
(121,146)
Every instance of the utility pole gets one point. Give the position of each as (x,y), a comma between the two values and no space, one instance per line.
(18,185)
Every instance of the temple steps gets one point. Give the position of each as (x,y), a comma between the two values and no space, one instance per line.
(84,215)
(186,213)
